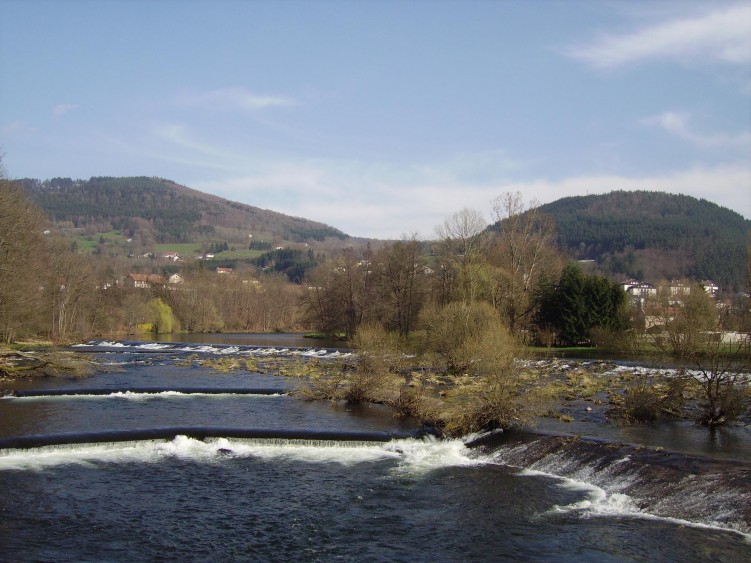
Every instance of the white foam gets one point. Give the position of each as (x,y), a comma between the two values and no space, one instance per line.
(153,346)
(37,459)
(205,349)
(412,456)
(131,396)
(261,351)
(419,456)
(599,502)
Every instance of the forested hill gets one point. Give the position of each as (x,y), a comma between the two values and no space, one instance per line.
(169,212)
(654,235)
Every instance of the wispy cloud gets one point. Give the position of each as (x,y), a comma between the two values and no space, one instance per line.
(678,124)
(385,199)
(726,185)
(62,109)
(361,204)
(236,99)
(722,35)
(18,128)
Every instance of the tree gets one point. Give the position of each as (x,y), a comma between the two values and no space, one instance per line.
(336,299)
(195,303)
(572,320)
(70,288)
(455,333)
(577,304)
(161,317)
(462,242)
(399,284)
(524,251)
(469,341)
(22,254)
(719,358)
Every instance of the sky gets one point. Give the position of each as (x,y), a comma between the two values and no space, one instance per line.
(383,118)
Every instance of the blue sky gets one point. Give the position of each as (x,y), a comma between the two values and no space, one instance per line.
(383,118)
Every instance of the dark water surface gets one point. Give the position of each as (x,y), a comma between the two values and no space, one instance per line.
(279,500)
(277,339)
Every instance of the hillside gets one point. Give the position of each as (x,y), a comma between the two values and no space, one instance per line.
(645,235)
(165,212)
(654,235)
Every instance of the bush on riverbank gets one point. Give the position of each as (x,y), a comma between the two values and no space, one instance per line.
(462,348)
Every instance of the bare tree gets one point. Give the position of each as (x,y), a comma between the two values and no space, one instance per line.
(71,291)
(195,303)
(718,358)
(22,252)
(400,285)
(336,298)
(462,242)
(525,249)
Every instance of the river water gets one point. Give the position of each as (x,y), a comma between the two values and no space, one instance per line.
(312,499)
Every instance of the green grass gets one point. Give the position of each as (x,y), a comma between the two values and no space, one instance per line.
(183,248)
(238,254)
(87,243)
(189,249)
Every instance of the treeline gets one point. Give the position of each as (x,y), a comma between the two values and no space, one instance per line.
(640,234)
(48,289)
(52,290)
(632,233)
(516,270)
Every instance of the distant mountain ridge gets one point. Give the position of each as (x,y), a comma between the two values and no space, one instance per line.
(654,235)
(171,212)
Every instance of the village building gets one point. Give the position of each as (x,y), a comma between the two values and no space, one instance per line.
(675,288)
(639,288)
(710,287)
(144,281)
(173,256)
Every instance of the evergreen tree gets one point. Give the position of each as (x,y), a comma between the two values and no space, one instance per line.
(577,304)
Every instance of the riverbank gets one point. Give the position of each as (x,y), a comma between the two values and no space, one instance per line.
(44,361)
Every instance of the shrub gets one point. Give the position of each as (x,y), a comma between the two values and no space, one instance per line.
(466,337)
(646,399)
(469,340)
(376,377)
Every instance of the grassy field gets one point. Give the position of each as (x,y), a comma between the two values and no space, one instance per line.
(186,249)
(238,254)
(88,243)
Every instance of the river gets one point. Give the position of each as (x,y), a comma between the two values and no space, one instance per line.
(325,495)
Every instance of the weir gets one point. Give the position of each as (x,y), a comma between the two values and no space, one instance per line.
(147,390)
(198,433)
(657,481)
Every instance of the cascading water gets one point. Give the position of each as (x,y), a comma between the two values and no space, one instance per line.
(640,481)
